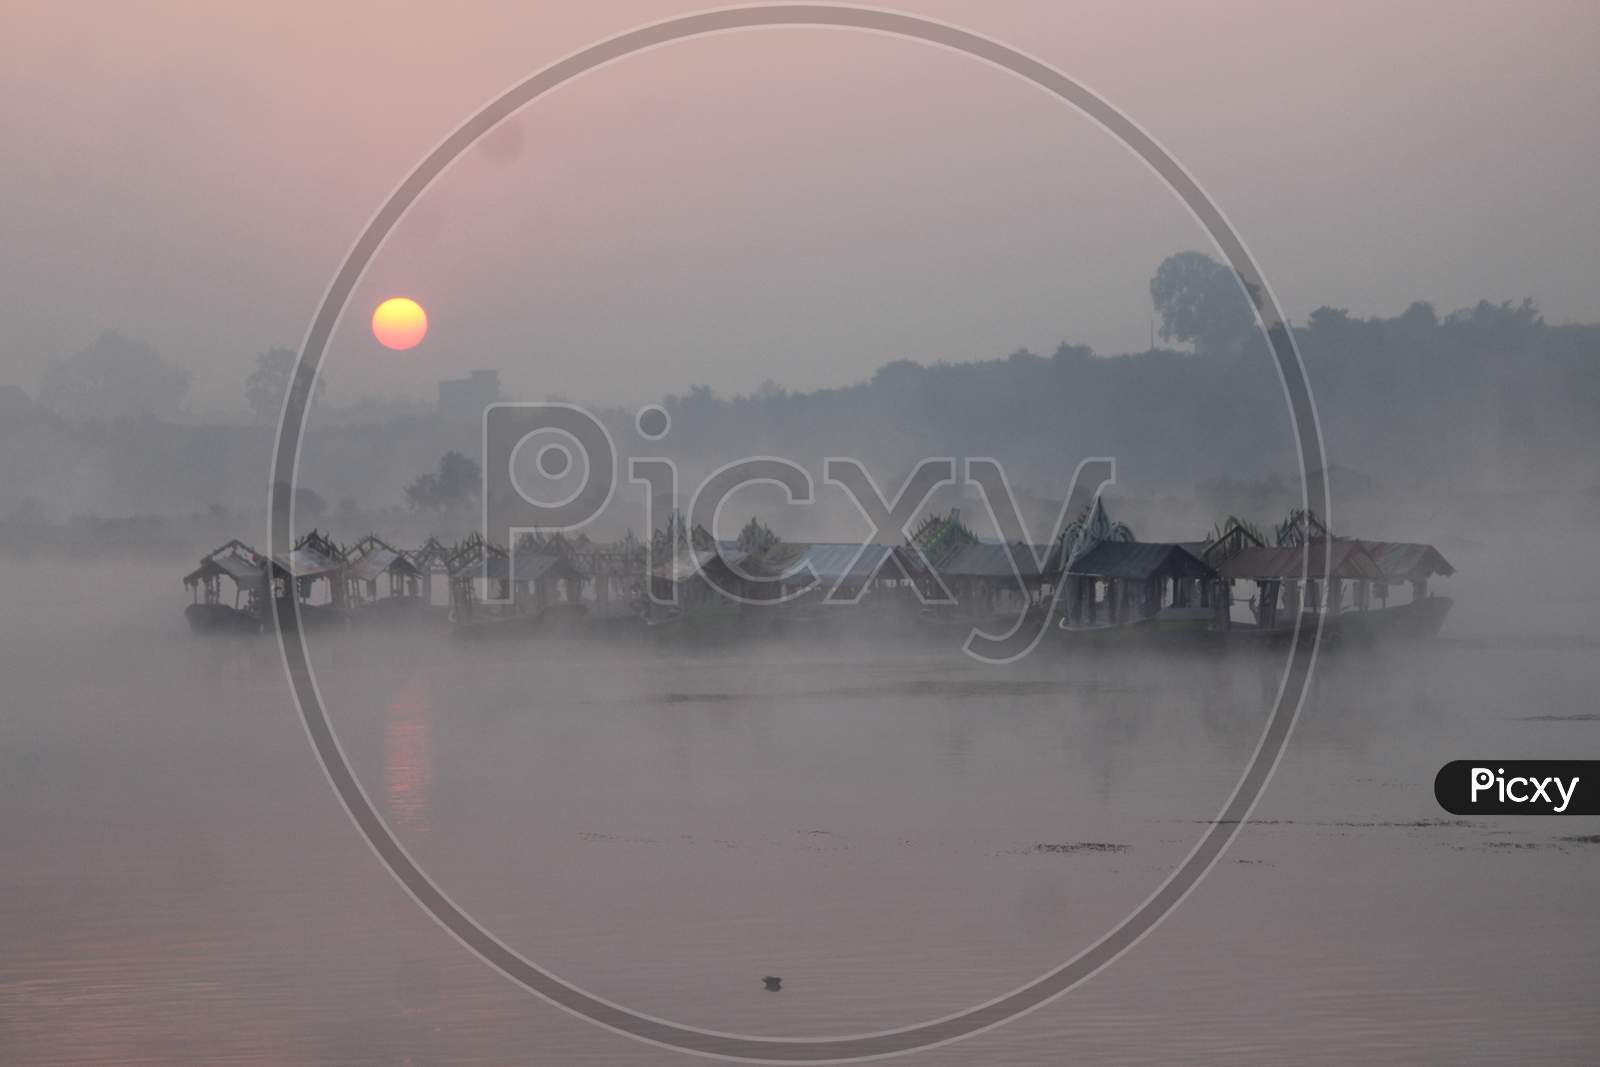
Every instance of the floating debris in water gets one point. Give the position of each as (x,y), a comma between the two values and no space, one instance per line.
(1082,847)
(1070,848)
(773,983)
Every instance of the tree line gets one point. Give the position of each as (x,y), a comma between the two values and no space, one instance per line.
(1489,391)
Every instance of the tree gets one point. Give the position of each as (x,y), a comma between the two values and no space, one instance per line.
(267,385)
(898,374)
(701,401)
(1200,302)
(757,538)
(769,390)
(115,378)
(309,504)
(457,482)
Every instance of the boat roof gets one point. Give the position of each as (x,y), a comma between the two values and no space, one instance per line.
(313,556)
(235,560)
(830,561)
(1141,560)
(987,560)
(1346,559)
(431,554)
(527,566)
(1408,560)
(686,563)
(373,556)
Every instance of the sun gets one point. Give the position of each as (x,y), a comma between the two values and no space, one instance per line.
(399,323)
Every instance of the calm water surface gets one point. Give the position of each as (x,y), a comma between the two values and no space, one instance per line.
(899,833)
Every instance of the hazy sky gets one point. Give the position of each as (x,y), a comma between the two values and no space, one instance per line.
(803,205)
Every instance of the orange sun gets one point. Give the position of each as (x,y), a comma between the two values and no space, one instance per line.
(399,323)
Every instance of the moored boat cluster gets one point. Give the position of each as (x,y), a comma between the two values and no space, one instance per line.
(1096,582)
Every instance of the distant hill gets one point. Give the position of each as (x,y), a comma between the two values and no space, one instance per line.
(1491,395)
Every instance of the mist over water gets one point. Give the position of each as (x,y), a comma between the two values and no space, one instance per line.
(803,244)
(895,829)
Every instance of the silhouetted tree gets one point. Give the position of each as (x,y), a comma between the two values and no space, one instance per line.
(457,482)
(1200,302)
(115,378)
(309,504)
(267,385)
(898,374)
(756,537)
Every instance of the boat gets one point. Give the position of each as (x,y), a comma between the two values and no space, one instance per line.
(255,577)
(384,585)
(1095,589)
(555,618)
(246,570)
(1353,603)
(221,619)
(1377,627)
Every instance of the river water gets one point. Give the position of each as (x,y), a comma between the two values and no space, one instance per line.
(898,832)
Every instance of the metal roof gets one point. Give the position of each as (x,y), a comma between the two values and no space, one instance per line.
(239,568)
(375,557)
(1212,553)
(686,564)
(235,560)
(313,556)
(430,554)
(306,563)
(1346,559)
(990,561)
(1140,560)
(372,564)
(1407,560)
(528,567)
(830,561)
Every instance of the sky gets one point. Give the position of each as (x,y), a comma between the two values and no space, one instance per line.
(800,205)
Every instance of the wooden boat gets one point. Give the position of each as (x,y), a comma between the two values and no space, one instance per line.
(1109,594)
(1420,620)
(255,577)
(316,616)
(405,610)
(711,623)
(1161,633)
(373,564)
(206,618)
(221,619)
(1371,629)
(555,618)
(1354,605)
(246,569)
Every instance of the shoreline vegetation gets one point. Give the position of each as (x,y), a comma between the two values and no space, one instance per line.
(1488,399)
